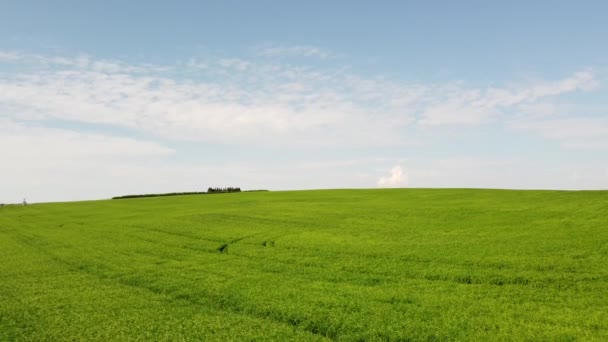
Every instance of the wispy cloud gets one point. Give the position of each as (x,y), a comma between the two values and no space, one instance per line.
(79,62)
(476,106)
(235,100)
(273,50)
(261,102)
(8,56)
(521,172)
(575,133)
(37,143)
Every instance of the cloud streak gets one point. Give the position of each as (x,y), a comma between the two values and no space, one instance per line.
(262,103)
(573,133)
(267,103)
(273,50)
(477,106)
(37,143)
(231,100)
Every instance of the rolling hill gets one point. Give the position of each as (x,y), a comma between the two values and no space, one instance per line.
(347,265)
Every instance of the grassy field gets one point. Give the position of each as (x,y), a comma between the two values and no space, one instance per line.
(348,265)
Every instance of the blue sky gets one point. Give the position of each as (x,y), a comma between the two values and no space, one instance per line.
(106,98)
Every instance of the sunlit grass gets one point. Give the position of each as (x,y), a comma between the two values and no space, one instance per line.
(309,265)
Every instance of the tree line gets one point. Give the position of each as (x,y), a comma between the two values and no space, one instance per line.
(211,190)
(221,190)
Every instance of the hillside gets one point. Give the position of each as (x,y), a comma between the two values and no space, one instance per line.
(376,265)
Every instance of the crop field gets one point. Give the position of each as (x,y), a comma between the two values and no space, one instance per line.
(346,265)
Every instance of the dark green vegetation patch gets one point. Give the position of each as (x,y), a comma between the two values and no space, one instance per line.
(380,265)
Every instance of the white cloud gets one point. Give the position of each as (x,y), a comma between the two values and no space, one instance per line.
(7,56)
(271,50)
(43,163)
(26,142)
(58,164)
(509,173)
(235,63)
(577,133)
(247,103)
(476,106)
(396,178)
(260,103)
(80,62)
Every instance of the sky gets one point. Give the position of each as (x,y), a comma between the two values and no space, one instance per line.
(107,98)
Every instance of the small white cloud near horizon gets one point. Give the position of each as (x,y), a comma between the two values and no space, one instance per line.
(397,178)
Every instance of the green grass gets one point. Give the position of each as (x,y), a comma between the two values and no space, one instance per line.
(348,265)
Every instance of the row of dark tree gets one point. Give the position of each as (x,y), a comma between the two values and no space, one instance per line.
(209,191)
(160,195)
(221,190)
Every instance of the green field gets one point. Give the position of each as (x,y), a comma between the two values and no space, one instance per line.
(347,265)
